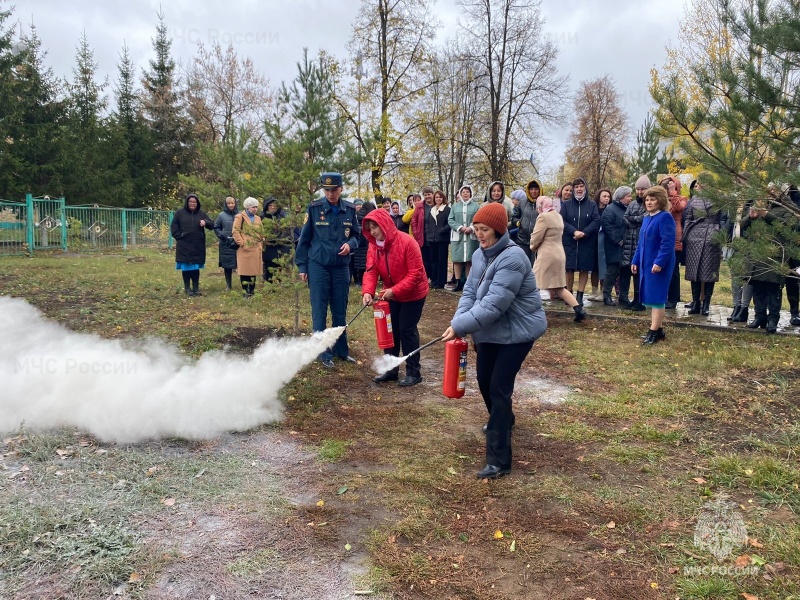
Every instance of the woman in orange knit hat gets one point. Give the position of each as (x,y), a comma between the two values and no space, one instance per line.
(502,309)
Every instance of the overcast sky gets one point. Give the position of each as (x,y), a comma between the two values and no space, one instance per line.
(622,38)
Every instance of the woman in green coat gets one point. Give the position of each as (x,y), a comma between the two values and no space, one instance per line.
(463,242)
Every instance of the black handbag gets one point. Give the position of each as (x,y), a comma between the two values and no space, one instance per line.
(232,243)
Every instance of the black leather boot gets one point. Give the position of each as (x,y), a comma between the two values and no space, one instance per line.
(759,322)
(795,320)
(744,313)
(579,298)
(651,337)
(734,313)
(608,301)
(636,305)
(580,313)
(772,324)
(705,307)
(695,305)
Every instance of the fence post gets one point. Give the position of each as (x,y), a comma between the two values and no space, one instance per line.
(169,239)
(29,222)
(124,229)
(64,223)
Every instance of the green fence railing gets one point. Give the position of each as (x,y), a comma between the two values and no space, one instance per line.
(49,224)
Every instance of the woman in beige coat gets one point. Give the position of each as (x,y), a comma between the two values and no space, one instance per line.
(247,233)
(549,267)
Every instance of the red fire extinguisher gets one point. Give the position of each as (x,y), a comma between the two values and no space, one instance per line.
(383,324)
(454,382)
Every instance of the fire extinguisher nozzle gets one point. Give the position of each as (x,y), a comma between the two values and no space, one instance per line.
(421,348)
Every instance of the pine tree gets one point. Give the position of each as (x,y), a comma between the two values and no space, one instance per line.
(84,165)
(737,116)
(30,140)
(169,126)
(645,155)
(134,133)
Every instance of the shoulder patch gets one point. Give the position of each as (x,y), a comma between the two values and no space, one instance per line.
(316,202)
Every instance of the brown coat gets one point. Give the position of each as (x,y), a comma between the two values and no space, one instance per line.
(551,261)
(248,236)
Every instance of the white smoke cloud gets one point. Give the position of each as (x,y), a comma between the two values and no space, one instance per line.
(128,391)
(387,362)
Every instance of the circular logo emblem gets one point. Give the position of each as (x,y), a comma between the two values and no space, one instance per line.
(328,181)
(720,528)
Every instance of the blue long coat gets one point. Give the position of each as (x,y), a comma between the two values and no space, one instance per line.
(656,246)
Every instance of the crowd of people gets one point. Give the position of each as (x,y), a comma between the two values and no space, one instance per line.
(503,251)
(582,247)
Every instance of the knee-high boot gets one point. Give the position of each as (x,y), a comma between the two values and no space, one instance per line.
(694,309)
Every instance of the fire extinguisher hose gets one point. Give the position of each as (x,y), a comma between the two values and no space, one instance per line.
(350,322)
(421,348)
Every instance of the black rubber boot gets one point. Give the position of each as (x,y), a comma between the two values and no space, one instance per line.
(744,313)
(580,313)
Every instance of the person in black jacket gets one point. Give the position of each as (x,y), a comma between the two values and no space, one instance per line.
(188,228)
(396,213)
(358,260)
(278,238)
(581,226)
(223,229)
(437,238)
(613,221)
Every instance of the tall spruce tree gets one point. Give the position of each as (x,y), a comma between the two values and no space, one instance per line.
(31,138)
(84,162)
(163,109)
(136,137)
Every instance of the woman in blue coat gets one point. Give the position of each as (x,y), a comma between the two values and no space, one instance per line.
(655,259)
(502,309)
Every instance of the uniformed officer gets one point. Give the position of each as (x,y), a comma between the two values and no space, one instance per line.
(329,235)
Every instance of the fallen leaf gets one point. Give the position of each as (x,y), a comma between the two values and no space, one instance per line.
(342,490)
(200,473)
(757,560)
(754,543)
(699,480)
(749,596)
(134,577)
(348,547)
(498,535)
(654,585)
(452,471)
(513,546)
(151,471)
(321,503)
(611,525)
(673,570)
(168,501)
(742,561)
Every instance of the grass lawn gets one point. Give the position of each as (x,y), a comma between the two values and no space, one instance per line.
(372,488)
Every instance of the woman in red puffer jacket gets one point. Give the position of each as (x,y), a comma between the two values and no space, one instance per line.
(395,257)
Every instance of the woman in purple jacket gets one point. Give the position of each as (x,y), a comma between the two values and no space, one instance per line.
(654,259)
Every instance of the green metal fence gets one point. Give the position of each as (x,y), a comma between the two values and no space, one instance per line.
(49,224)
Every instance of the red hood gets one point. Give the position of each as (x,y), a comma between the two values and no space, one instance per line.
(384,221)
